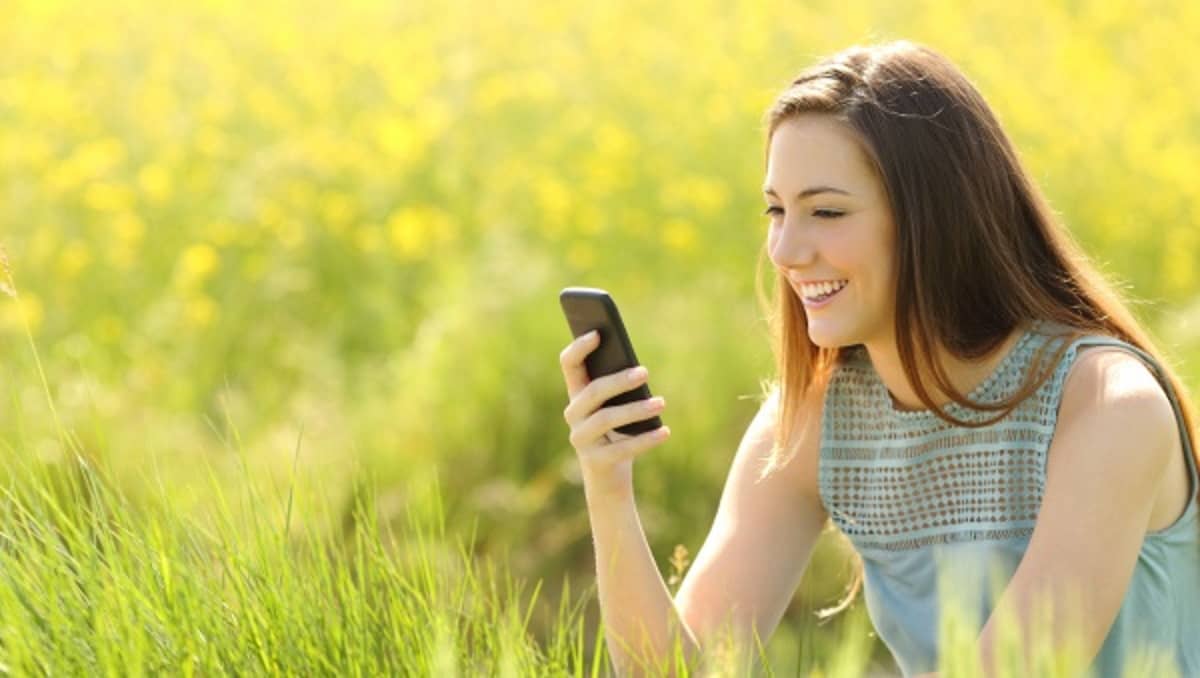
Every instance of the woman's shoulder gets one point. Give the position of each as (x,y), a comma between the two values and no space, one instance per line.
(1098,363)
(1099,372)
(799,462)
(1111,378)
(1115,414)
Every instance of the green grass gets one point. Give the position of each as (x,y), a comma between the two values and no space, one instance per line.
(94,585)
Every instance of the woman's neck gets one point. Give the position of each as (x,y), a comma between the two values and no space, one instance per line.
(964,375)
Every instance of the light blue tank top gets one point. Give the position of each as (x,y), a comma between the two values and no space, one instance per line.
(928,505)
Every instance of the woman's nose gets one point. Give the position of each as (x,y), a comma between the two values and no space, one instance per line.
(792,247)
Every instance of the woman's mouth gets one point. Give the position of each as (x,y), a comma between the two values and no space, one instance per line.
(820,295)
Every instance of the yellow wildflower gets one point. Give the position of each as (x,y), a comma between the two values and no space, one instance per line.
(110,328)
(155,182)
(25,310)
(73,259)
(200,311)
(679,234)
(413,230)
(197,263)
(104,196)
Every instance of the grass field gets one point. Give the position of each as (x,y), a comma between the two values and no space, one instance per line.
(278,354)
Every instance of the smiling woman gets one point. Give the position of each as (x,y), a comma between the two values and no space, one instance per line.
(957,389)
(923,283)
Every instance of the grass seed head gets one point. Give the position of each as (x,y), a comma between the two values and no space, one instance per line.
(7,286)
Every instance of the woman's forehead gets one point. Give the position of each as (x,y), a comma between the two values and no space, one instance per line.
(811,150)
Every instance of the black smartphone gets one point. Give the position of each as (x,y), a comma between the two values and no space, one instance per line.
(590,308)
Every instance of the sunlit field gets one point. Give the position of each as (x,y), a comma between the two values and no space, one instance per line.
(279,329)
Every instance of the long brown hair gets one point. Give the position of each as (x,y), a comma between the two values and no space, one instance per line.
(968,220)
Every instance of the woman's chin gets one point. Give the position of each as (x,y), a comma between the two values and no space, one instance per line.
(824,336)
(819,340)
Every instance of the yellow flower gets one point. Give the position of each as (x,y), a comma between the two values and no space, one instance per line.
(613,142)
(222,232)
(23,310)
(495,91)
(121,255)
(400,139)
(32,150)
(270,214)
(337,211)
(603,176)
(200,311)
(554,201)
(210,141)
(129,228)
(701,194)
(73,259)
(197,263)
(414,230)
(300,194)
(110,328)
(155,182)
(408,232)
(291,233)
(679,234)
(265,105)
(97,157)
(104,196)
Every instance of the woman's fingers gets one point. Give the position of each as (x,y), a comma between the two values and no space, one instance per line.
(593,433)
(606,419)
(571,359)
(593,396)
(626,448)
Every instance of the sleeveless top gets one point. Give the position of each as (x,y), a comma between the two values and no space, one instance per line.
(929,505)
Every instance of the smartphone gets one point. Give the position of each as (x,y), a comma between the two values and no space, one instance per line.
(590,308)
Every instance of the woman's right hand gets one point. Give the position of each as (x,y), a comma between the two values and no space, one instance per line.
(606,457)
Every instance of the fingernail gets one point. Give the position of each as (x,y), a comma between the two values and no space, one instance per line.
(637,373)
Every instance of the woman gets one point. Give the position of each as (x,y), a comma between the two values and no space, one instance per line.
(958,390)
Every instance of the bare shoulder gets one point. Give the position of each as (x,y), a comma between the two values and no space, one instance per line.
(799,467)
(1111,396)
(1108,382)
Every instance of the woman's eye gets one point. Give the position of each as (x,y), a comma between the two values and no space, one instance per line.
(820,212)
(827,213)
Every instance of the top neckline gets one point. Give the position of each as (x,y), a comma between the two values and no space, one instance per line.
(888,404)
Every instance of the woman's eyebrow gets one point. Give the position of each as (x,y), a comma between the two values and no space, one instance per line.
(808,192)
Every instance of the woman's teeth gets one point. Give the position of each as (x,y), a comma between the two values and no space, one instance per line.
(822,290)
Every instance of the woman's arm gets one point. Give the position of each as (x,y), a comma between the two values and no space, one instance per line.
(641,625)
(745,574)
(1115,438)
(749,566)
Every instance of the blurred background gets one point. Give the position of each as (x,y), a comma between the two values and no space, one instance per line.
(330,236)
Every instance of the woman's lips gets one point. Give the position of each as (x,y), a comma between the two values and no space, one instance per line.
(808,303)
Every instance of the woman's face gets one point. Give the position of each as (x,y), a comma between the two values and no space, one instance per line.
(831,222)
